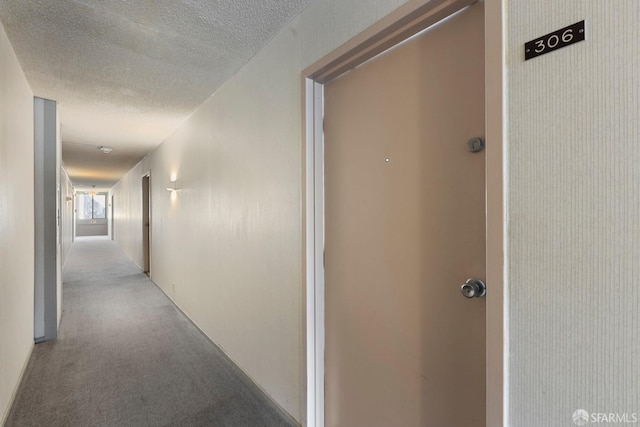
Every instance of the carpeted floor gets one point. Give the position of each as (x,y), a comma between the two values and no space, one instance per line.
(126,356)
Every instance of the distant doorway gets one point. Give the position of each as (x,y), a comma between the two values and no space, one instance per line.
(146,221)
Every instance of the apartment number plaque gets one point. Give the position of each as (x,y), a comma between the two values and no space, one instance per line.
(553,41)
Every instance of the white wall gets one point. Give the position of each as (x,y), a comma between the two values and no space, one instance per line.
(231,239)
(574,213)
(66,190)
(65,230)
(99,228)
(16,222)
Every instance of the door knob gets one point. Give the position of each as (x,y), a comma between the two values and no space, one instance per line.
(473,288)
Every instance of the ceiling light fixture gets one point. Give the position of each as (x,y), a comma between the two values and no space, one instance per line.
(105,149)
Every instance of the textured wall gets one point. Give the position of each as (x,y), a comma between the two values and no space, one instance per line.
(231,238)
(65,229)
(66,190)
(16,221)
(573,213)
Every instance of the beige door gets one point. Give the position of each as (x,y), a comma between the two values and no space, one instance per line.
(405,227)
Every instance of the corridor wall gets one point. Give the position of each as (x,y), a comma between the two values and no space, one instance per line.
(67,207)
(16,222)
(573,185)
(227,246)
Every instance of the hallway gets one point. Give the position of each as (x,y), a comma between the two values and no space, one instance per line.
(126,356)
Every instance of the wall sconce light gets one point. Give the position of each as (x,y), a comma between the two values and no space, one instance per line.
(173,187)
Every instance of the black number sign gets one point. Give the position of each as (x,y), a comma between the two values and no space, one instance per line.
(554,41)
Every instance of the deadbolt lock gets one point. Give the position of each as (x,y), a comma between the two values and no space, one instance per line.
(475,145)
(473,288)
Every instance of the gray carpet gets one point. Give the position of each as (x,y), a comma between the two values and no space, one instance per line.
(126,356)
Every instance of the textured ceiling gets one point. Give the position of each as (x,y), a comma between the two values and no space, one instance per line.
(127,73)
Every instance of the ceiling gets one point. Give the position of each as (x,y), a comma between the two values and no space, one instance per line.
(126,74)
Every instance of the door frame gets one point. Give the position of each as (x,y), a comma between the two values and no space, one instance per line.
(146,239)
(406,21)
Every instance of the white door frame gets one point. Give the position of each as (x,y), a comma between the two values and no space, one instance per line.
(404,22)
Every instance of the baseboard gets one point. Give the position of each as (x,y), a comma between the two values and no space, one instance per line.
(253,383)
(17,386)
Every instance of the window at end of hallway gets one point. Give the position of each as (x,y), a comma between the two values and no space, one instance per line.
(92,206)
